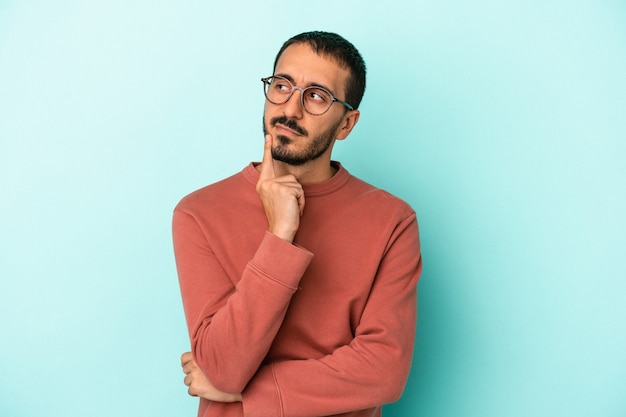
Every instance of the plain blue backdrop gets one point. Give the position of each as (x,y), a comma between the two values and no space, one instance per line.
(501,122)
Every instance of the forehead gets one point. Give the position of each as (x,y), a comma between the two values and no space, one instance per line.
(306,67)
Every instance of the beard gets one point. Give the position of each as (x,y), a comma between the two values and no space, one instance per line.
(316,148)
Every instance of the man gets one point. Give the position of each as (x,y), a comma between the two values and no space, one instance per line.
(298,279)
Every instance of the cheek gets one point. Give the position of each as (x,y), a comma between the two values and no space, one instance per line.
(332,128)
(267,116)
(269,112)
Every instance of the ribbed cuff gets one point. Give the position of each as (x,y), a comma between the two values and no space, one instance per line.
(261,398)
(281,261)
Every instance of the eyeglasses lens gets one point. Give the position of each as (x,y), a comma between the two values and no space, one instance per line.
(315,100)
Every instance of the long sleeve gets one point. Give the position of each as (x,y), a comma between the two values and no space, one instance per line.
(233,320)
(369,371)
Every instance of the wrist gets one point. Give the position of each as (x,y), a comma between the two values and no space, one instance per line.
(285,235)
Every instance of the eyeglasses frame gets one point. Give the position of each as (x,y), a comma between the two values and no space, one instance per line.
(266,82)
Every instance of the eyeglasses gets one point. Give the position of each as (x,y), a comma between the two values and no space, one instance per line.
(314,100)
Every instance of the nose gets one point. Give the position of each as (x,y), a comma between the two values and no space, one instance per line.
(293,107)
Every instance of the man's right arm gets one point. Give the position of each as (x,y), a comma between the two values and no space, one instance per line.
(232,327)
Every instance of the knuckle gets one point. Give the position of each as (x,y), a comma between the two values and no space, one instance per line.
(274,187)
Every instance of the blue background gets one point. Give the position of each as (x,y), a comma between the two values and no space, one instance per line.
(501,122)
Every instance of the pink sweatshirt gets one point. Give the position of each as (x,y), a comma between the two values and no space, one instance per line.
(324,326)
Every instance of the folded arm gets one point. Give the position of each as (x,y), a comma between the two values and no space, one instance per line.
(370,371)
(233,325)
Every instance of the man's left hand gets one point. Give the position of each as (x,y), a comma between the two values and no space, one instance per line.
(200,386)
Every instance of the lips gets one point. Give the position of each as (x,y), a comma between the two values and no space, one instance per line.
(282,128)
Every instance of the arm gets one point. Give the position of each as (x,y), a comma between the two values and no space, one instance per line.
(232,327)
(373,368)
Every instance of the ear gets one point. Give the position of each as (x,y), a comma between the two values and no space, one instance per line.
(349,121)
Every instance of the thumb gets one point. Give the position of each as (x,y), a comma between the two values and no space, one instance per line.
(267,166)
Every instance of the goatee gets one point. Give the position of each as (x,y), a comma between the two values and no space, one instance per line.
(316,148)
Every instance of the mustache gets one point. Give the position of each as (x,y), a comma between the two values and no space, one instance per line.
(290,123)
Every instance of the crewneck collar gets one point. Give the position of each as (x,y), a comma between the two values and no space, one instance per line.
(310,189)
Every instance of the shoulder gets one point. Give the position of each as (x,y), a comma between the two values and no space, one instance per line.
(212,194)
(378,200)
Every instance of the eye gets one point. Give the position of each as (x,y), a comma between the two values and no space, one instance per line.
(317,95)
(281,86)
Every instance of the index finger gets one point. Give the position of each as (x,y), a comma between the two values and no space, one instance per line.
(267,166)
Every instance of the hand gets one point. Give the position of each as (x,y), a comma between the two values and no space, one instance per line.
(199,385)
(282,197)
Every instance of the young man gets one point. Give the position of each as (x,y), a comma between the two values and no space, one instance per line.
(298,279)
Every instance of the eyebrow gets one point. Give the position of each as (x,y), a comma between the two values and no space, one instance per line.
(291,80)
